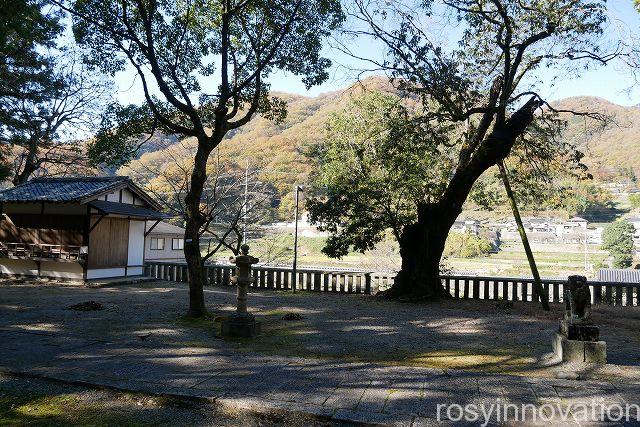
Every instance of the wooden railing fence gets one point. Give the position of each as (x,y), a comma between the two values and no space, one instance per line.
(364,282)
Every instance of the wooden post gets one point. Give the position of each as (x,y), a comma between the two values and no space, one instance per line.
(542,295)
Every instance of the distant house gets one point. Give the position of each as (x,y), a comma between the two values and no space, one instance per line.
(594,235)
(542,237)
(305,228)
(538,225)
(572,226)
(164,242)
(471,226)
(618,275)
(75,228)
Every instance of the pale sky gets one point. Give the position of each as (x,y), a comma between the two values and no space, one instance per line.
(612,82)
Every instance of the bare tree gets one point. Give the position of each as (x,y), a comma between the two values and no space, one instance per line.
(45,135)
(235,203)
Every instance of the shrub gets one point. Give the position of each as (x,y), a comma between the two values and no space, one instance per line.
(617,238)
(466,245)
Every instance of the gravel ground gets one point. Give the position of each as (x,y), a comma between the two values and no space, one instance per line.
(28,401)
(479,335)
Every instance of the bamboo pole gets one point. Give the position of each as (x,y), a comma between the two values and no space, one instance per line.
(537,283)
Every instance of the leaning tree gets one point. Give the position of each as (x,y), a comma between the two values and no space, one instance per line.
(204,68)
(476,66)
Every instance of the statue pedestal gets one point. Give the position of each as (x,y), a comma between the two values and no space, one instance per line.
(580,351)
(577,339)
(579,331)
(240,325)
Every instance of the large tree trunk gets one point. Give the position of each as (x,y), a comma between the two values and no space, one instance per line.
(30,164)
(422,243)
(421,248)
(23,176)
(195,220)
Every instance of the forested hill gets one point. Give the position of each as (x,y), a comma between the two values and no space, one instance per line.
(277,150)
(611,152)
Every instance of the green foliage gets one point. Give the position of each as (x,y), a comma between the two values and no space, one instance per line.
(28,28)
(487,194)
(533,193)
(599,265)
(634,199)
(374,167)
(617,238)
(585,198)
(466,245)
(120,134)
(210,63)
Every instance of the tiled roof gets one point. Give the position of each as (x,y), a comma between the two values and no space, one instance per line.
(619,275)
(126,209)
(61,189)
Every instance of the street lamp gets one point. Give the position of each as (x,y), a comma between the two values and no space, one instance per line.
(294,279)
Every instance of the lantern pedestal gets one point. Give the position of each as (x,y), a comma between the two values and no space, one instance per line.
(240,325)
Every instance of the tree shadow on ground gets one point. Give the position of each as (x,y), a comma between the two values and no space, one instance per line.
(477,335)
(394,346)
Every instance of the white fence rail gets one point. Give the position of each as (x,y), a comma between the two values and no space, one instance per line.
(365,282)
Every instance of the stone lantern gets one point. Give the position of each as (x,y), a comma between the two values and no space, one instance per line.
(241,323)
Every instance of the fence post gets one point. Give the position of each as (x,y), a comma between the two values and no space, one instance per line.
(370,285)
(367,283)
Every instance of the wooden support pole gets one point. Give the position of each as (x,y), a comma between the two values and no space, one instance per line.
(537,283)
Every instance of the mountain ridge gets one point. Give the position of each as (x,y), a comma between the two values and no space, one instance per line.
(277,150)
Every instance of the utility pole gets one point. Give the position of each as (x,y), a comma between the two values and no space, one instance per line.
(294,279)
(537,283)
(585,251)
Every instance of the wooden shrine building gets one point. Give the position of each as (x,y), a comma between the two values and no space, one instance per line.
(75,228)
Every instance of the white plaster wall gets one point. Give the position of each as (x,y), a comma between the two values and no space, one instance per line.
(127,196)
(21,267)
(136,244)
(167,254)
(113,197)
(135,271)
(25,267)
(103,273)
(66,270)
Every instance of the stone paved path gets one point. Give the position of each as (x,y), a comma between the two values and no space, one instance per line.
(344,392)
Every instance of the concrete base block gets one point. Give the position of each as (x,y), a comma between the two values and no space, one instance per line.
(234,328)
(579,351)
(595,352)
